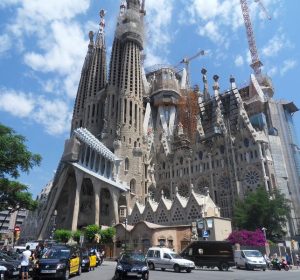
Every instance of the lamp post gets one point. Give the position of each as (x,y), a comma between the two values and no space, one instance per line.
(54,215)
(125,234)
(264,231)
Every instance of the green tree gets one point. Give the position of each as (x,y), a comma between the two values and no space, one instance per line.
(62,235)
(263,209)
(90,232)
(107,235)
(15,158)
(76,235)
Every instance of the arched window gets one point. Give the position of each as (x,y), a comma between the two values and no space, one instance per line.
(126,164)
(132,186)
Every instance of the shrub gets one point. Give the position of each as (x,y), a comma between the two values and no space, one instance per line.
(62,235)
(248,238)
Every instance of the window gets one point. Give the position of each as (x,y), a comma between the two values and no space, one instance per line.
(132,186)
(156,254)
(126,164)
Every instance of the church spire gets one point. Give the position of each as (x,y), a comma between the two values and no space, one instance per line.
(97,79)
(78,112)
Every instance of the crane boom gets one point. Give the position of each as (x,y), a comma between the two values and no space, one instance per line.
(186,61)
(263,9)
(256,63)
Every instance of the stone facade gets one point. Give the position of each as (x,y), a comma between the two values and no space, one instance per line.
(145,138)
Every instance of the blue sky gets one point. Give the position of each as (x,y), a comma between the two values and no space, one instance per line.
(43,45)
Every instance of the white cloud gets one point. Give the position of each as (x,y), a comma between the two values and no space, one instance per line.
(273,71)
(159,16)
(275,45)
(210,30)
(54,115)
(287,65)
(5,43)
(63,53)
(16,103)
(239,61)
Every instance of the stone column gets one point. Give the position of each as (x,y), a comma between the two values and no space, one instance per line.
(263,165)
(211,189)
(115,198)
(97,190)
(79,179)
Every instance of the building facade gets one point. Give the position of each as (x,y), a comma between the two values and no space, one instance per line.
(138,137)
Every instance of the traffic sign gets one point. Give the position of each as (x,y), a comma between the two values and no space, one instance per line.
(205,234)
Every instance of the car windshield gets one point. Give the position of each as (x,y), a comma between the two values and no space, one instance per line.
(56,253)
(133,257)
(6,257)
(253,254)
(175,256)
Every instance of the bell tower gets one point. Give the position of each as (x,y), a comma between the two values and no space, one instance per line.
(124,117)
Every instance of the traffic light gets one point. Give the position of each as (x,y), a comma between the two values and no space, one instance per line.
(17,232)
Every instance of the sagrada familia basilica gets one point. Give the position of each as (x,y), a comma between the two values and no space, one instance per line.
(146,146)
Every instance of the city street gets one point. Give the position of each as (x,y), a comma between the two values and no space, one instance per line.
(106,272)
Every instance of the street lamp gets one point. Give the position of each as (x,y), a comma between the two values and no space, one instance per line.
(125,233)
(264,231)
(54,215)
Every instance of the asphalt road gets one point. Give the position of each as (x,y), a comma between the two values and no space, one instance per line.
(106,272)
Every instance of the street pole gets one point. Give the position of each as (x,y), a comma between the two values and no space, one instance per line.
(125,233)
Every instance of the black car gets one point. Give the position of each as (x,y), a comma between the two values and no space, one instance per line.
(210,254)
(132,264)
(15,261)
(12,271)
(58,262)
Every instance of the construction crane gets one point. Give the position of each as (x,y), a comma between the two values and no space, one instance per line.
(256,63)
(186,61)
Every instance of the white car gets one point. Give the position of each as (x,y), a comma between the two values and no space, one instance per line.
(250,259)
(165,258)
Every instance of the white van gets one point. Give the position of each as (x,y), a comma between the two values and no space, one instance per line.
(249,259)
(165,258)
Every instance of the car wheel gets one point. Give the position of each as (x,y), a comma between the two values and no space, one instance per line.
(188,270)
(224,266)
(146,276)
(67,275)
(247,267)
(151,266)
(177,268)
(117,276)
(163,269)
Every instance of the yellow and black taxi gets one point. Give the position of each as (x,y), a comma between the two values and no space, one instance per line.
(59,261)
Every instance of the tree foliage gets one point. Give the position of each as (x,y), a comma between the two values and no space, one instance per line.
(107,235)
(62,235)
(15,158)
(263,209)
(247,238)
(90,232)
(76,235)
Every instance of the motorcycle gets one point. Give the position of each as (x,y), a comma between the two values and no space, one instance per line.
(284,265)
(278,265)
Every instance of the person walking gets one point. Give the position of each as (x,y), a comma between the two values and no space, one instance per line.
(25,262)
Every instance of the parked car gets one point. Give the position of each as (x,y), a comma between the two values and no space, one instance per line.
(132,264)
(59,261)
(250,259)
(165,258)
(210,254)
(11,271)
